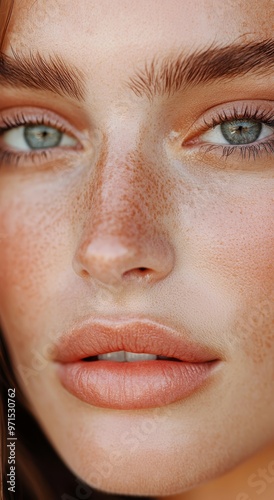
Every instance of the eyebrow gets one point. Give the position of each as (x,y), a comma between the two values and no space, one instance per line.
(175,72)
(38,72)
(163,75)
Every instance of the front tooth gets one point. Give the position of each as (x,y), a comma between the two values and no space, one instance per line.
(126,356)
(113,356)
(133,356)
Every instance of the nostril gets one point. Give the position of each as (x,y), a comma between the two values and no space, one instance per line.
(144,271)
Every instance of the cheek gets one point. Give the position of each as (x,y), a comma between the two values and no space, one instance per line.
(243,248)
(255,331)
(32,229)
(226,242)
(23,255)
(21,275)
(240,251)
(251,263)
(234,234)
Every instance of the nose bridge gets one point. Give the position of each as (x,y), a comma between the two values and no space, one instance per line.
(126,187)
(123,196)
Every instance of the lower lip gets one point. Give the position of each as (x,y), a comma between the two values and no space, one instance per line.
(133,385)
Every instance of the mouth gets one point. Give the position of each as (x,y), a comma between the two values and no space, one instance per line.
(132,364)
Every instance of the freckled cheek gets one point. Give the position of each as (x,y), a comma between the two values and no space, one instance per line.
(249,266)
(255,330)
(241,246)
(233,241)
(244,256)
(28,260)
(32,254)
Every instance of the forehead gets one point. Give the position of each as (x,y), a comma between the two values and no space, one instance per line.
(87,29)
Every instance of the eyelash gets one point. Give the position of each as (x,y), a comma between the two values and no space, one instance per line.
(19,120)
(246,151)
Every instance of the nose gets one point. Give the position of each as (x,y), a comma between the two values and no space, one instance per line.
(123,238)
(111,262)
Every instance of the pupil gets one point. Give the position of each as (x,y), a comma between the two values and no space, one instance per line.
(41,136)
(241,131)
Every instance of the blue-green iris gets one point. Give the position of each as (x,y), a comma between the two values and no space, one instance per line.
(241,131)
(41,137)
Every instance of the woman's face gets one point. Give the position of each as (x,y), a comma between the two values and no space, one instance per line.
(141,179)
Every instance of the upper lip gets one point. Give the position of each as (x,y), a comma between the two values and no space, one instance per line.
(94,337)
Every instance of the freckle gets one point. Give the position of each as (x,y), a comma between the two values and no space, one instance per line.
(255,330)
(124,196)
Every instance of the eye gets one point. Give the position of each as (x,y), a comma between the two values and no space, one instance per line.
(237,132)
(35,137)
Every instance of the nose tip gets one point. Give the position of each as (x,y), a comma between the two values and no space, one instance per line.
(111,263)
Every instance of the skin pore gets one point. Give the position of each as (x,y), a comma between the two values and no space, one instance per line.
(144,181)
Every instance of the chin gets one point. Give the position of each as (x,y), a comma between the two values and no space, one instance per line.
(150,473)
